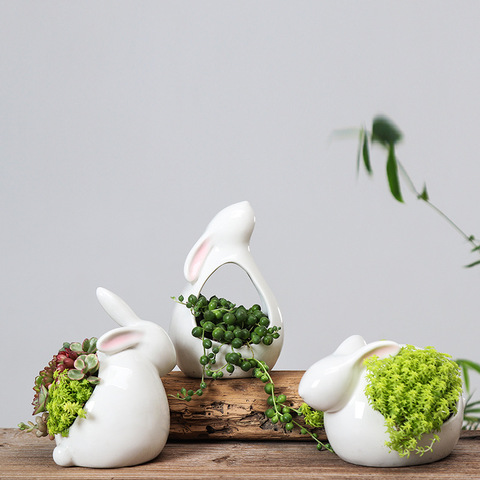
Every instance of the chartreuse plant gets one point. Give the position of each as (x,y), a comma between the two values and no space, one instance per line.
(387,135)
(220,322)
(66,399)
(63,387)
(416,391)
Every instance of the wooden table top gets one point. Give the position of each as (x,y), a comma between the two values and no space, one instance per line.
(23,456)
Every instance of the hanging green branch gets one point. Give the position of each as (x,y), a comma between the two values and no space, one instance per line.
(387,135)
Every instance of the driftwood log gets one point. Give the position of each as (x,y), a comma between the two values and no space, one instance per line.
(231,409)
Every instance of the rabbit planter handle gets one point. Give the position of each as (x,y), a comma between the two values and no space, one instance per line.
(336,385)
(225,240)
(127,416)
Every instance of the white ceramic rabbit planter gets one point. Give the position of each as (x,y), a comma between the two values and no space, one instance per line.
(336,385)
(127,417)
(226,240)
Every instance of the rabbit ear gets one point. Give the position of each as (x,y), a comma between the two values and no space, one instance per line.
(196,258)
(119,339)
(116,307)
(382,349)
(350,345)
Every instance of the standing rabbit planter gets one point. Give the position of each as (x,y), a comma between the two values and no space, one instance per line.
(226,240)
(127,416)
(357,432)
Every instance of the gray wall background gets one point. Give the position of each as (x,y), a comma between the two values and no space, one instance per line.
(125,126)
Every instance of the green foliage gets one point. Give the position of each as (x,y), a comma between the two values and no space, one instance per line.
(281,411)
(311,417)
(385,133)
(416,391)
(85,366)
(75,361)
(220,322)
(471,416)
(66,400)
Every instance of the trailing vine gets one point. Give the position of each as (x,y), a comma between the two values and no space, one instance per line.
(219,323)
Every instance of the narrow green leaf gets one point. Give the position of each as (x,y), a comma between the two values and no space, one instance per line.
(466,378)
(424,194)
(469,419)
(473,365)
(384,131)
(474,249)
(472,410)
(470,265)
(392,174)
(42,400)
(366,154)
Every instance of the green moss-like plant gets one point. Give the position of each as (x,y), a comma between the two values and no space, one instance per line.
(79,363)
(311,417)
(416,391)
(66,399)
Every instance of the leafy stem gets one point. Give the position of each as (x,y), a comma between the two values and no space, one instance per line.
(280,411)
(385,133)
(220,323)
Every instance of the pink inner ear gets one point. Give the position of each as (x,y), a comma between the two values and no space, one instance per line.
(118,341)
(198,260)
(383,352)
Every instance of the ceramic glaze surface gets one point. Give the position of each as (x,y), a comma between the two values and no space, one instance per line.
(357,433)
(128,417)
(226,240)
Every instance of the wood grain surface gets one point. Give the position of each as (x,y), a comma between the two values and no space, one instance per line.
(224,435)
(23,456)
(231,409)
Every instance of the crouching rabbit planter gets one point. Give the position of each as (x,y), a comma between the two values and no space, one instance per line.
(226,240)
(336,385)
(127,417)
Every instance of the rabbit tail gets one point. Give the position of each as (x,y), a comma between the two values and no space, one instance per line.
(62,455)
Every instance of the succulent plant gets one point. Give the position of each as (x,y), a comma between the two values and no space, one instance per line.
(66,359)
(79,361)
(40,427)
(85,366)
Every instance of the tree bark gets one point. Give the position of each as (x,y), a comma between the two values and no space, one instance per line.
(232,408)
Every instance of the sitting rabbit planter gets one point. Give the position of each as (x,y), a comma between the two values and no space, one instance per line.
(336,385)
(226,240)
(127,416)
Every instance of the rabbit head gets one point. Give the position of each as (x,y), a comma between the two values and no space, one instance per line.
(147,338)
(232,226)
(225,241)
(328,384)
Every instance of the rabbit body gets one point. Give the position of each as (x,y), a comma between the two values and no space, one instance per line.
(127,416)
(357,432)
(226,240)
